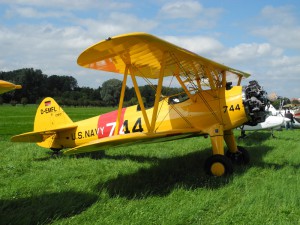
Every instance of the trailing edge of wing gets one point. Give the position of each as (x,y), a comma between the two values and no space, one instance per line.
(133,138)
(38,136)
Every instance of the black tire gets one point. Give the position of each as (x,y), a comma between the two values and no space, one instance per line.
(218,165)
(241,157)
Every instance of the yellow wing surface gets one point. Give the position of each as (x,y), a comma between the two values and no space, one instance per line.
(146,53)
(133,138)
(39,136)
(7,86)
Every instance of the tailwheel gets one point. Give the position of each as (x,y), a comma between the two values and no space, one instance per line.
(56,152)
(240,157)
(218,165)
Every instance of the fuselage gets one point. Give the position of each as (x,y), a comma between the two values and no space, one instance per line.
(203,111)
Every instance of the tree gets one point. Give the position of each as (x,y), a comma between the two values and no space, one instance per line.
(280,102)
(24,101)
(36,86)
(148,93)
(32,81)
(110,92)
(60,84)
(33,84)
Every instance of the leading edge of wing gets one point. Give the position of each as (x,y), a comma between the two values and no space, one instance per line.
(132,138)
(141,50)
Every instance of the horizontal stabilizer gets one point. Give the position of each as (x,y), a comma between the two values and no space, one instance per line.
(38,136)
(132,138)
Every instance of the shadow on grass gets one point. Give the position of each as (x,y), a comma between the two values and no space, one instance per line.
(50,155)
(255,138)
(166,174)
(45,208)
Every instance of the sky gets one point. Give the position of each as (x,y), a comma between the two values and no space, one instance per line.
(261,37)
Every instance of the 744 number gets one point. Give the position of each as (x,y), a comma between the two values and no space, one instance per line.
(231,108)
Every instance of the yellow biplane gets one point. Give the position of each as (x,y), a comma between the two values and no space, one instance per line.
(7,86)
(213,106)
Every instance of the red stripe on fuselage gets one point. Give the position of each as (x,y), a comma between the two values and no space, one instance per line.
(107,123)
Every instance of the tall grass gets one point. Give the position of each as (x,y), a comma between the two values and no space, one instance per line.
(162,183)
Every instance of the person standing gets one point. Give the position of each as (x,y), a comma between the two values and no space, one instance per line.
(289,125)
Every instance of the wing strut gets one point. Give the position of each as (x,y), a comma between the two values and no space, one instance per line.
(223,78)
(210,78)
(139,97)
(121,100)
(184,87)
(158,92)
(197,77)
(240,80)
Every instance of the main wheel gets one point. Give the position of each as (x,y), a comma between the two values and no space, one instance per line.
(240,157)
(218,165)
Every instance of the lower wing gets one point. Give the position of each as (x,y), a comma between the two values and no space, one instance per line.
(133,138)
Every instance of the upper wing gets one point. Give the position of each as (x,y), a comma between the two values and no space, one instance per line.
(132,138)
(7,86)
(146,53)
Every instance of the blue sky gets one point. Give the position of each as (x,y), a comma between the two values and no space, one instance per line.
(260,36)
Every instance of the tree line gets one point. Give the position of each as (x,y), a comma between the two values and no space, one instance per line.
(65,90)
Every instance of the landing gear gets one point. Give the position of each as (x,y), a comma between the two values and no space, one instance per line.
(56,152)
(218,165)
(241,157)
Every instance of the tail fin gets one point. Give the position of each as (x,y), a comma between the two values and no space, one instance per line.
(50,119)
(50,116)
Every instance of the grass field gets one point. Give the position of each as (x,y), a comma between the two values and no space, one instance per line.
(145,184)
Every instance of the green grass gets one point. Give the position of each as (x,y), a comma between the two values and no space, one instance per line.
(145,184)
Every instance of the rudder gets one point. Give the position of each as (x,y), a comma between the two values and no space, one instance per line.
(50,116)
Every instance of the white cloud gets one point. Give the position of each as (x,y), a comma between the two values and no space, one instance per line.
(278,15)
(249,51)
(55,49)
(29,12)
(285,61)
(279,27)
(187,16)
(269,65)
(198,44)
(49,35)
(70,5)
(283,36)
(42,46)
(181,9)
(285,68)
(116,23)
(272,65)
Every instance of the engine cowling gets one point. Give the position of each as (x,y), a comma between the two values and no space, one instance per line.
(255,101)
